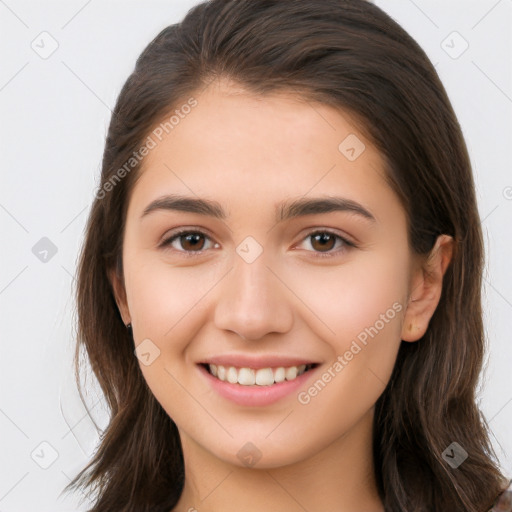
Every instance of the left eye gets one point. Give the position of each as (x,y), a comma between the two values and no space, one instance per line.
(323,242)
(194,242)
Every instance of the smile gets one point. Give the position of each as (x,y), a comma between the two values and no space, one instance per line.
(256,377)
(264,385)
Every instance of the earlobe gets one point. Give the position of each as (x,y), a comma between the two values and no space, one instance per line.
(119,292)
(426,289)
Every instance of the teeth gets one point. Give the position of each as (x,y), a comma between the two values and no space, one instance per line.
(260,377)
(291,373)
(265,377)
(279,374)
(232,375)
(246,377)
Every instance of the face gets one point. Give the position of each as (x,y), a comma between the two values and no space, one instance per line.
(319,289)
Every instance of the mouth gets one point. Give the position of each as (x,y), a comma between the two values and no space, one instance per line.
(256,381)
(259,377)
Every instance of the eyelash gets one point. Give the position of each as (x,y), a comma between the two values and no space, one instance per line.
(192,254)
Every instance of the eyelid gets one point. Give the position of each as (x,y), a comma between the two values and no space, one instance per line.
(350,240)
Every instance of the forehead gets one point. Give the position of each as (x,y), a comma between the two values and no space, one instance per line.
(238,147)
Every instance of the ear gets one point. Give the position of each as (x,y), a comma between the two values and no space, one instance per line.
(117,282)
(426,288)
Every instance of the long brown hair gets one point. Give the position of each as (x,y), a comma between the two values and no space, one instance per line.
(352,56)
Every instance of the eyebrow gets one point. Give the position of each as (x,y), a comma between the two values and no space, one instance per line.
(284,211)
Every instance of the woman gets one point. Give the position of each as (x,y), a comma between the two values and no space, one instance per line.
(279,289)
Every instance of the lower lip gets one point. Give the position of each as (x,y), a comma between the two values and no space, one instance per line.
(254,396)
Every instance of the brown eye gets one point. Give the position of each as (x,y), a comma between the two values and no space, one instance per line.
(192,241)
(323,241)
(188,242)
(327,244)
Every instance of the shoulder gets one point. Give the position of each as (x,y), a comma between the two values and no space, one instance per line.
(504,502)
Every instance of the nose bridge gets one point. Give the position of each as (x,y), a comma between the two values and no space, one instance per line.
(252,301)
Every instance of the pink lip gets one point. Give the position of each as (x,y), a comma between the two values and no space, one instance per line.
(255,362)
(254,396)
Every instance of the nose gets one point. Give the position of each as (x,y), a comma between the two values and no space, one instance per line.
(252,301)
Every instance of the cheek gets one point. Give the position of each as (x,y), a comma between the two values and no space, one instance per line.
(345,300)
(362,304)
(163,298)
(167,305)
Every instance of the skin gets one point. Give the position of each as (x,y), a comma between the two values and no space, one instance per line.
(249,153)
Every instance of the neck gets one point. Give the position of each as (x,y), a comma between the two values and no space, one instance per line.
(340,477)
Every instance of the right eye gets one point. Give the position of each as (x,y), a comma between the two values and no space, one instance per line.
(189,242)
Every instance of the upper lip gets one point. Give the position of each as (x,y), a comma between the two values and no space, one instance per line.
(262,361)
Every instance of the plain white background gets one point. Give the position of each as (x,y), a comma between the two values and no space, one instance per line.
(55,110)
